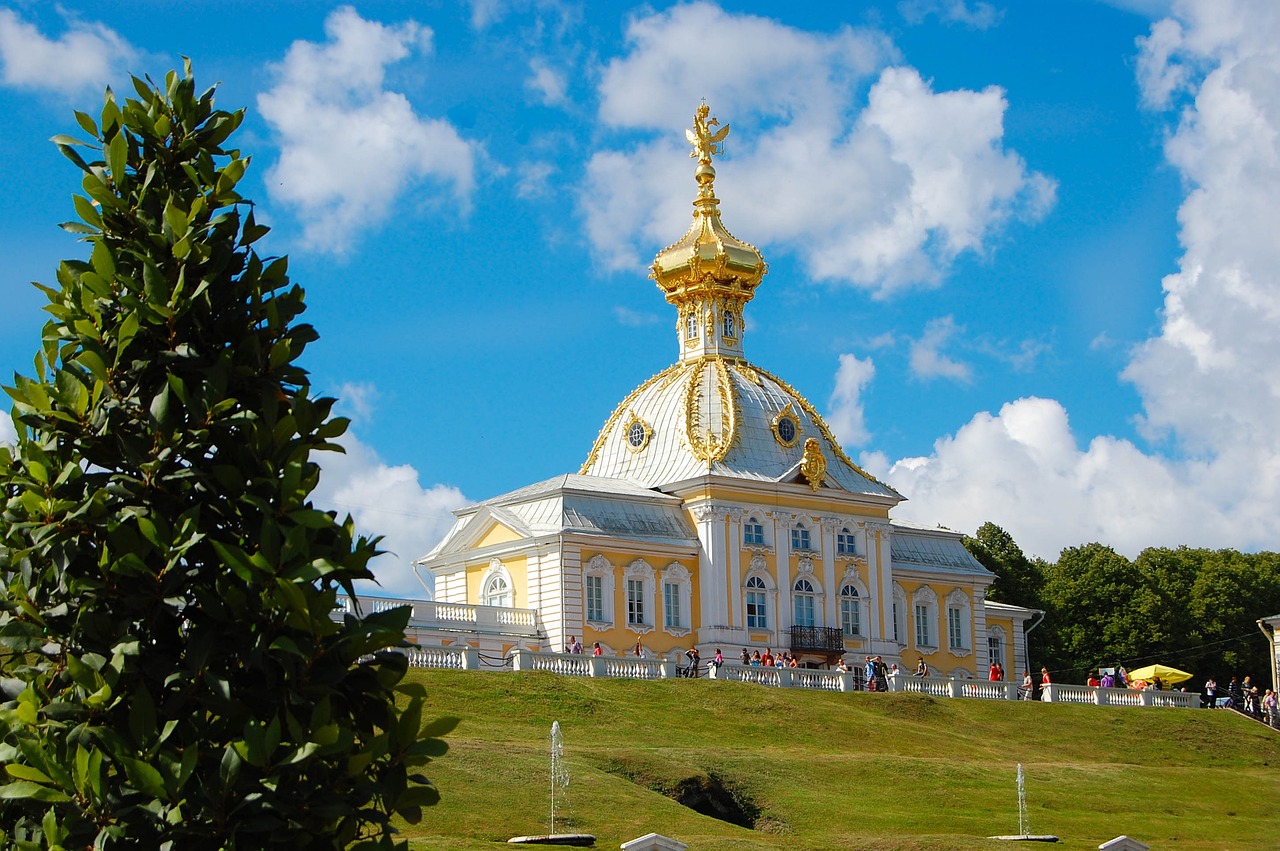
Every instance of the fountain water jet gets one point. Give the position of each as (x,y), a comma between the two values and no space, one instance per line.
(559,787)
(1024,822)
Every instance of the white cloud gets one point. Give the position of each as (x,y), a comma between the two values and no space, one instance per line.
(87,55)
(634,318)
(1209,380)
(349,147)
(389,501)
(549,84)
(8,434)
(846,410)
(979,16)
(927,359)
(903,186)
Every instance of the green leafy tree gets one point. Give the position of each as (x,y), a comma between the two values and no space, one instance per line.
(1094,599)
(1019,580)
(173,677)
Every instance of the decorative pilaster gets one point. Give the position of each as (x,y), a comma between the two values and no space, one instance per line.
(712,563)
(736,516)
(782,543)
(829,526)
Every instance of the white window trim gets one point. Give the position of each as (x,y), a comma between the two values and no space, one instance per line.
(764,546)
(854,581)
(496,570)
(958,600)
(814,595)
(770,596)
(678,575)
(900,598)
(926,598)
(599,566)
(642,570)
(997,633)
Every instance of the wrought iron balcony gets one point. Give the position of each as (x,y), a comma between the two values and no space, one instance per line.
(821,639)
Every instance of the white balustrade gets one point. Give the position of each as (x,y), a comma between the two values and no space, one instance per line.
(429,614)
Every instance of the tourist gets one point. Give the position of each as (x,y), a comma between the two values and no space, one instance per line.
(695,660)
(882,674)
(719,660)
(841,666)
(1044,679)
(1156,684)
(992,672)
(1235,697)
(1028,689)
(1108,680)
(573,645)
(639,650)
(746,656)
(1210,694)
(767,659)
(1093,681)
(596,649)
(793,662)
(1271,708)
(1253,703)
(922,670)
(999,671)
(1122,681)
(756,660)
(870,674)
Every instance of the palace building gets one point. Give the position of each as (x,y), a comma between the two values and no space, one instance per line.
(717,509)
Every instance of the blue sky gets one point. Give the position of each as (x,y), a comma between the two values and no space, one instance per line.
(1022,255)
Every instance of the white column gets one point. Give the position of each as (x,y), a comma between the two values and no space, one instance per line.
(712,563)
(735,568)
(829,525)
(782,546)
(877,615)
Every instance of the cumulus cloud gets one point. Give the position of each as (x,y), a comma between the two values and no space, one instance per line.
(549,84)
(350,148)
(904,182)
(87,55)
(846,410)
(8,434)
(389,501)
(927,359)
(1209,380)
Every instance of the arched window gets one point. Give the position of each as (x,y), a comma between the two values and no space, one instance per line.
(800,537)
(729,330)
(757,599)
(691,326)
(958,622)
(850,612)
(639,588)
(804,603)
(497,592)
(845,544)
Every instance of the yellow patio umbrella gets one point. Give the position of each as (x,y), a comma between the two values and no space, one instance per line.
(1167,675)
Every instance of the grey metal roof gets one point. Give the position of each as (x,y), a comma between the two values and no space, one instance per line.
(915,547)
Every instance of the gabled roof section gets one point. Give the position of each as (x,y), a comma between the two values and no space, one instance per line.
(574,504)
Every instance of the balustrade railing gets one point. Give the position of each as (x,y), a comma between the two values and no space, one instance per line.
(429,614)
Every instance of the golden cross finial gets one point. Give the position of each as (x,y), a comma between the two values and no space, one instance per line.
(706,143)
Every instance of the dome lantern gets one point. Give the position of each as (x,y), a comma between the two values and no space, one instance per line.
(709,274)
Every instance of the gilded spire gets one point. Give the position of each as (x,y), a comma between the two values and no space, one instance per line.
(709,274)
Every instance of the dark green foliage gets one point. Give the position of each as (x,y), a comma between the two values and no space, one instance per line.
(172,675)
(1019,580)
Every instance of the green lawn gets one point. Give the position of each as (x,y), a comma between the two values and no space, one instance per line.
(837,771)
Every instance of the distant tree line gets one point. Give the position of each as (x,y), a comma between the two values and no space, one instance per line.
(1194,609)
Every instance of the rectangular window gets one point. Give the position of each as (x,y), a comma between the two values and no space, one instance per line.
(671,605)
(756,614)
(804,610)
(753,534)
(850,617)
(922,627)
(995,652)
(635,601)
(799,538)
(845,545)
(897,623)
(955,628)
(595,598)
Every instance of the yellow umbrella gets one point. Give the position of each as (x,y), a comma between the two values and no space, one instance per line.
(1167,675)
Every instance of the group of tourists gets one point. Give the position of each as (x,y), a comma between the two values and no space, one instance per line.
(767,660)
(1244,696)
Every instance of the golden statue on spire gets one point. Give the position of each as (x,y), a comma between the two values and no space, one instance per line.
(705,142)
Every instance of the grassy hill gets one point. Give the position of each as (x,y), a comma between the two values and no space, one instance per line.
(804,770)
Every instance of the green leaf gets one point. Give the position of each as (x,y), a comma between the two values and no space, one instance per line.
(27,772)
(33,792)
(117,160)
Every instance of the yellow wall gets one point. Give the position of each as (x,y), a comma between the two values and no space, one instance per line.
(516,565)
(657,642)
(498,534)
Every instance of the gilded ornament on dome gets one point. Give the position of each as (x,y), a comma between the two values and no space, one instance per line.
(813,466)
(786,428)
(638,433)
